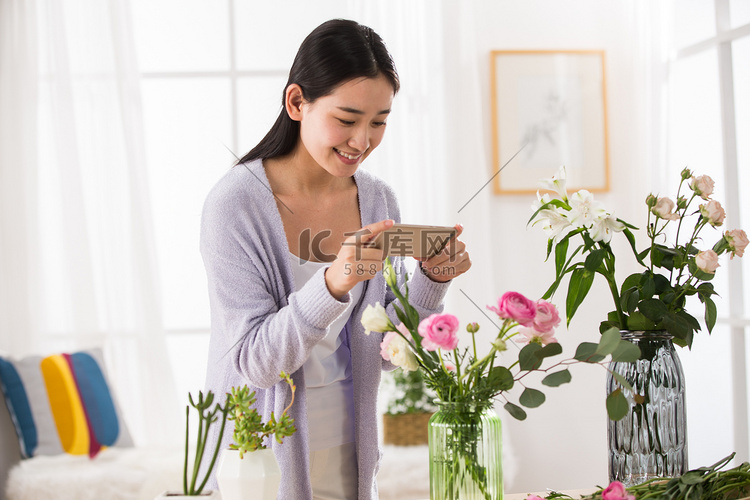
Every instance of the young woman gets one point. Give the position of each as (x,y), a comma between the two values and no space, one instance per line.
(288,277)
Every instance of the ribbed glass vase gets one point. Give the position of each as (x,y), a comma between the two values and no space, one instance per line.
(651,441)
(465,446)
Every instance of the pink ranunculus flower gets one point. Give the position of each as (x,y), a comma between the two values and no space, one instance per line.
(439,331)
(702,185)
(737,239)
(714,212)
(664,208)
(547,317)
(616,491)
(534,497)
(707,261)
(528,335)
(513,305)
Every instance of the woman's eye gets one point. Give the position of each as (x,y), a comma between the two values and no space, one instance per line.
(346,122)
(378,124)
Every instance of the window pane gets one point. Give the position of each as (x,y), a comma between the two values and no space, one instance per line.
(187,127)
(262,45)
(181,35)
(694,20)
(741,54)
(739,12)
(258,105)
(709,354)
(694,118)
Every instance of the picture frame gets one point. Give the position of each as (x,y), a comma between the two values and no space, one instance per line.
(549,109)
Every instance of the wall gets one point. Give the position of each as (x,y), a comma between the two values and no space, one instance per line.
(563,443)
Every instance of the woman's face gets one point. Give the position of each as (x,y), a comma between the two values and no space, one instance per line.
(341,129)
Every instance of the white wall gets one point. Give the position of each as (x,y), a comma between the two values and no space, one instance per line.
(563,443)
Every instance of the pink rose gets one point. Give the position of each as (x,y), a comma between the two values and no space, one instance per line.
(513,305)
(616,491)
(529,335)
(702,185)
(714,212)
(546,318)
(439,331)
(707,261)
(664,208)
(737,239)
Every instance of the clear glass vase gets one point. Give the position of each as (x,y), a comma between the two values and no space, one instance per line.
(651,441)
(465,445)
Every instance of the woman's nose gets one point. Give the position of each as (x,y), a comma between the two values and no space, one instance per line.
(360,139)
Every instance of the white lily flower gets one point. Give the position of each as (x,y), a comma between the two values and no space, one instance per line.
(604,227)
(584,210)
(557,184)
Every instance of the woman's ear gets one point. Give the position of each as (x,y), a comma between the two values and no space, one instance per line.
(293,102)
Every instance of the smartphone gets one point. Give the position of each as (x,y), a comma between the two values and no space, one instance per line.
(412,240)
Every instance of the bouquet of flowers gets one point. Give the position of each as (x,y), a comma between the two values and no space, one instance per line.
(674,267)
(465,377)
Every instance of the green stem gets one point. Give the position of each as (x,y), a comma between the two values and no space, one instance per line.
(224,412)
(187,437)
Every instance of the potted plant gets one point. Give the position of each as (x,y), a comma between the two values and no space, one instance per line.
(409,409)
(208,414)
(248,465)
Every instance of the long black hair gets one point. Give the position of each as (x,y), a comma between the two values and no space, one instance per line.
(334,53)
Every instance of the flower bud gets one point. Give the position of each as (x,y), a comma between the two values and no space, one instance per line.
(686,174)
(500,345)
(472,327)
(651,200)
(682,203)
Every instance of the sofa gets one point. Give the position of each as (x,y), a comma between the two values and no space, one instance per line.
(62,435)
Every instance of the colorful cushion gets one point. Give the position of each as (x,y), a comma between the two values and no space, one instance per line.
(62,404)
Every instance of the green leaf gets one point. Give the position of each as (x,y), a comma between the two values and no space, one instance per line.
(631,240)
(549,350)
(528,359)
(622,381)
(561,253)
(515,411)
(648,287)
(532,398)
(586,352)
(626,352)
(710,314)
(609,342)
(637,321)
(662,283)
(632,281)
(557,379)
(500,379)
(653,309)
(629,299)
(578,288)
(594,260)
(677,326)
(617,405)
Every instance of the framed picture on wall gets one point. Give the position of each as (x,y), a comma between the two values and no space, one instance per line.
(549,109)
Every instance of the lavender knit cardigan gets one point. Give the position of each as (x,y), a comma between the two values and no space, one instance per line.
(261,325)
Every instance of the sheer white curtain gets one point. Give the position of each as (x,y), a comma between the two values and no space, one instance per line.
(76,242)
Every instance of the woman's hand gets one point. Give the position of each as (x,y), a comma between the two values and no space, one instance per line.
(356,262)
(451,262)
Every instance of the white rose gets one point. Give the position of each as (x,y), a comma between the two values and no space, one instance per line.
(400,354)
(707,261)
(714,212)
(702,185)
(664,208)
(375,319)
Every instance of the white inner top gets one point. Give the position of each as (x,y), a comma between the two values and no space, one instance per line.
(328,373)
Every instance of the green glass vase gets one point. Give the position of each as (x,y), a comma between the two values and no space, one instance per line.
(465,447)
